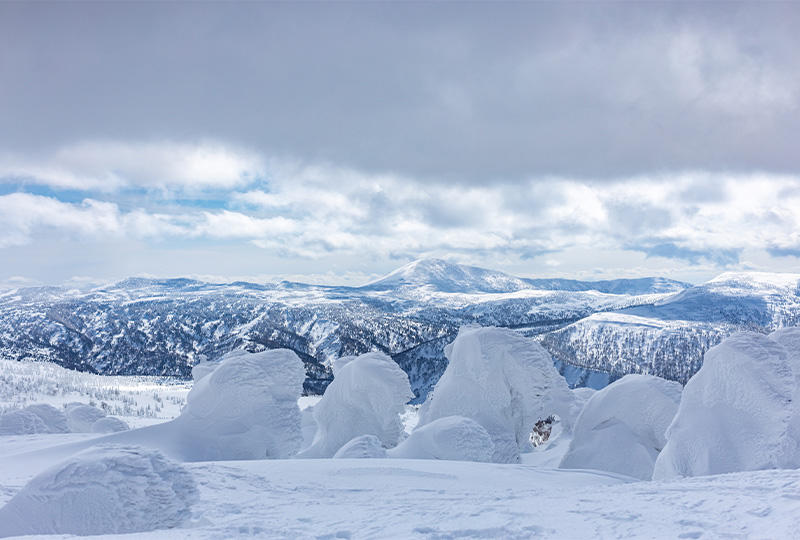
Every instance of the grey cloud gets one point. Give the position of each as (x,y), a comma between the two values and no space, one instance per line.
(668,250)
(467,92)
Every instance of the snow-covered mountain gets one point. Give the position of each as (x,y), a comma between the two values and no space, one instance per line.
(669,337)
(164,326)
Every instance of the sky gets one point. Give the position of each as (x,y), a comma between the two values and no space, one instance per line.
(333,142)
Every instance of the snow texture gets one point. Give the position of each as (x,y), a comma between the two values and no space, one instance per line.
(104,490)
(363,447)
(454,438)
(622,427)
(81,417)
(245,409)
(739,412)
(54,419)
(367,396)
(109,424)
(202,369)
(503,381)
(21,422)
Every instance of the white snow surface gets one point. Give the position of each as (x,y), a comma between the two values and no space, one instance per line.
(103,490)
(739,412)
(364,499)
(622,427)
(503,381)
(367,396)
(454,438)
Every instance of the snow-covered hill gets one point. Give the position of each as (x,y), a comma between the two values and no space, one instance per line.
(164,326)
(669,337)
(148,326)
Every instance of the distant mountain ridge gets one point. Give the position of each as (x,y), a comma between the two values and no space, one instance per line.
(595,330)
(443,276)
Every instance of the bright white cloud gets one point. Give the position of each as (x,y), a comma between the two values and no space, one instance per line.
(109,166)
(313,212)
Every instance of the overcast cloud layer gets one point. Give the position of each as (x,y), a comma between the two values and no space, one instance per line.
(574,139)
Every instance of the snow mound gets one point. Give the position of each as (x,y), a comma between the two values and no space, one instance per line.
(245,409)
(109,489)
(622,427)
(367,396)
(55,420)
(21,422)
(80,417)
(739,411)
(503,381)
(109,424)
(363,447)
(454,438)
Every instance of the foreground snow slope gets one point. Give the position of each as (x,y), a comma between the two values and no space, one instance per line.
(434,500)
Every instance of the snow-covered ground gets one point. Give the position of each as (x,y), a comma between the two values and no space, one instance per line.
(402,498)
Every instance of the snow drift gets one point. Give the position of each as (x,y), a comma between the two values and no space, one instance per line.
(503,381)
(366,397)
(622,427)
(453,438)
(739,412)
(108,489)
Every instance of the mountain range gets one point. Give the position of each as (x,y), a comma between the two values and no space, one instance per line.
(596,331)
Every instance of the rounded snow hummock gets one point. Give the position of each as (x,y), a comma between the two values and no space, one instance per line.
(109,424)
(454,438)
(81,417)
(363,447)
(621,429)
(21,422)
(107,489)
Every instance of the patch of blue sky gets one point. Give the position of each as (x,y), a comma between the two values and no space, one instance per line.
(10,185)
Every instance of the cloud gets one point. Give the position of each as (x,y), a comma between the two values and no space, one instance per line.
(466,95)
(314,212)
(108,166)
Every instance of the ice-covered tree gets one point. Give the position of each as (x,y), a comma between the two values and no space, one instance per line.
(366,397)
(622,427)
(503,381)
(739,412)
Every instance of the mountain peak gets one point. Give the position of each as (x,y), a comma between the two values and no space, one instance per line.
(444,276)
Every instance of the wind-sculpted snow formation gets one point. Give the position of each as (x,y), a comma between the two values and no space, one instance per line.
(503,381)
(41,418)
(244,409)
(740,411)
(366,397)
(109,489)
(453,438)
(621,428)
